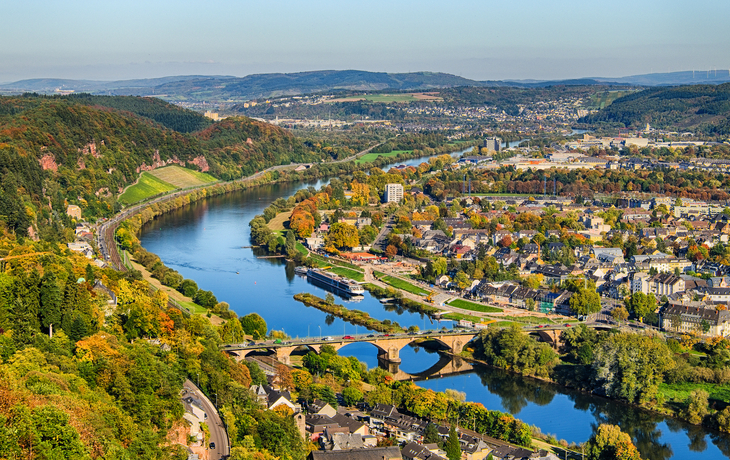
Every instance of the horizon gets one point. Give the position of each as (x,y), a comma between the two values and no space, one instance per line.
(567,39)
(518,80)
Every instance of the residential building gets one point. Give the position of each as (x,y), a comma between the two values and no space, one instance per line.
(393,193)
(705,321)
(375,453)
(666,284)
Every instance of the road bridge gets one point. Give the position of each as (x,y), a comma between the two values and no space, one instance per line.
(388,345)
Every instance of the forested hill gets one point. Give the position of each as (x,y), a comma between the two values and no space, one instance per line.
(702,108)
(84,150)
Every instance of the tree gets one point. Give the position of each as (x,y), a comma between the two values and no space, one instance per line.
(188,288)
(585,301)
(351,396)
(610,443)
(391,251)
(697,407)
(641,304)
(620,314)
(254,325)
(631,366)
(431,434)
(452,446)
(343,235)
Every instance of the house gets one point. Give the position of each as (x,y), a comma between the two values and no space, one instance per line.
(314,242)
(73,211)
(375,453)
(705,321)
(666,284)
(83,247)
(415,451)
(714,294)
(319,407)
(640,282)
(557,273)
(272,398)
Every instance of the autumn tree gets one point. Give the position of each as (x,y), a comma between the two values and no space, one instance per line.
(343,235)
(610,443)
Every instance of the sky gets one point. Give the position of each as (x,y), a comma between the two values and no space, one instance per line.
(478,39)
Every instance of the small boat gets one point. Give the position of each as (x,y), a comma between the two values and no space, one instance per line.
(300,270)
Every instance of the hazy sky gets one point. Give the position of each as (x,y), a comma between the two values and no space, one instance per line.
(479,39)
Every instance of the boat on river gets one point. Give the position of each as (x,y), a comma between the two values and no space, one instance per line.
(340,283)
(301,270)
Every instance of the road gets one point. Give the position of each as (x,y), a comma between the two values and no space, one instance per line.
(215,425)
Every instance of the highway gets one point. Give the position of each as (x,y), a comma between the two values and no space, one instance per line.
(218,434)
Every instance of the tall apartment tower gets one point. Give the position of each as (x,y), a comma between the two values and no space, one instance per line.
(492,144)
(393,193)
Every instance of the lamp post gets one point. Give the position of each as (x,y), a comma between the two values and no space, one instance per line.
(216,400)
(198,379)
(320,331)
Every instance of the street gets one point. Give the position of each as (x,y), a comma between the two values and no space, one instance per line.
(218,434)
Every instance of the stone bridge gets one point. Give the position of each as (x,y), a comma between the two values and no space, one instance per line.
(389,346)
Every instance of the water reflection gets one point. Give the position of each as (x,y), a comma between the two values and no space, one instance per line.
(574,415)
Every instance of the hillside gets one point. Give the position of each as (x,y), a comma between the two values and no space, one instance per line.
(84,150)
(704,108)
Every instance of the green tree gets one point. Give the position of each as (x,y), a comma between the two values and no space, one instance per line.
(452,446)
(631,366)
(254,325)
(351,396)
(641,304)
(431,434)
(188,288)
(585,301)
(697,407)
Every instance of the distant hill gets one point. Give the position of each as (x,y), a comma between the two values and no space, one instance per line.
(257,86)
(704,108)
(689,77)
(84,150)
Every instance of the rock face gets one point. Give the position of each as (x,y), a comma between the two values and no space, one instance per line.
(157,162)
(48,161)
(90,149)
(201,163)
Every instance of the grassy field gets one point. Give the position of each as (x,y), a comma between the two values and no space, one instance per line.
(280,221)
(680,391)
(400,284)
(347,273)
(606,98)
(466,305)
(147,186)
(182,177)
(368,157)
(163,180)
(460,316)
(300,247)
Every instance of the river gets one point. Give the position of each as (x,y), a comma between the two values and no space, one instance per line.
(205,242)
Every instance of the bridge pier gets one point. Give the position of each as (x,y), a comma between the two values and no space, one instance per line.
(391,355)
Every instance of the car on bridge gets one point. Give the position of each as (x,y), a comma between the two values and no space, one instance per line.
(348,337)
